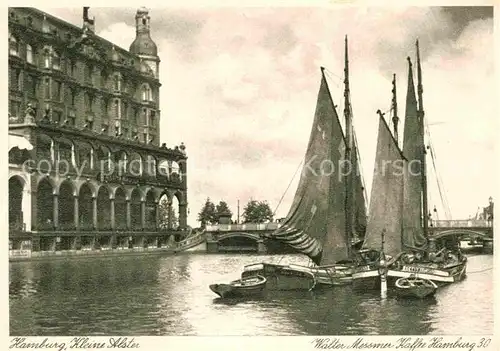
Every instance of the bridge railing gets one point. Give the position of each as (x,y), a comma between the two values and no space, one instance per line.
(191,241)
(467,223)
(242,227)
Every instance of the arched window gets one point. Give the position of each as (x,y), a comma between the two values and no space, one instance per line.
(29,53)
(117,80)
(13,46)
(56,60)
(88,70)
(146,92)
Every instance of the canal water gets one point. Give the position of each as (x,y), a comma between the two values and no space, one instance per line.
(169,295)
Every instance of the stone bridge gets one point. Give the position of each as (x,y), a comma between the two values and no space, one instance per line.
(238,237)
(462,229)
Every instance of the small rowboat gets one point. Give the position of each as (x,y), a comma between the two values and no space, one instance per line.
(415,287)
(249,286)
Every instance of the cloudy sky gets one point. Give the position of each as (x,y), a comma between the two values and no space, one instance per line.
(240,87)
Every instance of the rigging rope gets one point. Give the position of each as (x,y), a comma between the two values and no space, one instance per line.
(282,196)
(442,193)
(480,271)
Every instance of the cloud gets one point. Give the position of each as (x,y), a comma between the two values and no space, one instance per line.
(239,87)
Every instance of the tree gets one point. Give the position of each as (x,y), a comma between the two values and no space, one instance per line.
(257,212)
(223,209)
(207,214)
(163,214)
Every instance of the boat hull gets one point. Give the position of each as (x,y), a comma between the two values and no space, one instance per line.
(239,288)
(282,277)
(368,278)
(406,287)
(327,276)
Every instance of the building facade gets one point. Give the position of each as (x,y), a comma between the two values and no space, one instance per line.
(96,173)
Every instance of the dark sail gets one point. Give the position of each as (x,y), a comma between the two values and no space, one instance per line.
(413,148)
(360,199)
(386,201)
(315,224)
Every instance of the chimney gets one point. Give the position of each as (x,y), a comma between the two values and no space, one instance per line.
(88,24)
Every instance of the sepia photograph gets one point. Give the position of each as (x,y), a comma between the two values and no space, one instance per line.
(251,171)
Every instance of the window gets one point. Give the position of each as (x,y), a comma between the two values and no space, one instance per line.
(72,96)
(145,116)
(57,116)
(136,116)
(146,93)
(117,82)
(46,58)
(57,91)
(13,46)
(72,69)
(88,74)
(145,137)
(104,129)
(47,88)
(105,108)
(31,86)
(125,132)
(56,61)
(104,80)
(117,109)
(124,110)
(88,101)
(89,124)
(15,79)
(14,108)
(29,53)
(71,118)
(152,117)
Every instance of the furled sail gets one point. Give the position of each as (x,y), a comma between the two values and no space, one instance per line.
(386,202)
(315,224)
(413,149)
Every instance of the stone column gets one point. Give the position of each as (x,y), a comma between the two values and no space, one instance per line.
(183,216)
(26,208)
(112,213)
(157,215)
(143,214)
(94,212)
(128,214)
(76,213)
(169,217)
(34,209)
(55,210)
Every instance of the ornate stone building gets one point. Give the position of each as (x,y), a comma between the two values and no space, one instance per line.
(90,109)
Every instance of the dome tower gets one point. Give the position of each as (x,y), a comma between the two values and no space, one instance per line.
(143,46)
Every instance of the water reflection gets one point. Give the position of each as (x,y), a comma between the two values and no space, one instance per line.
(170,296)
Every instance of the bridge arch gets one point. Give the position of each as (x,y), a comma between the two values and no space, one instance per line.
(460,232)
(238,242)
(255,237)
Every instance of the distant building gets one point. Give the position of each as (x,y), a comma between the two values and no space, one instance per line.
(90,110)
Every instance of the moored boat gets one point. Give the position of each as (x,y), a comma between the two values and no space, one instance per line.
(249,286)
(415,287)
(328,214)
(282,277)
(399,205)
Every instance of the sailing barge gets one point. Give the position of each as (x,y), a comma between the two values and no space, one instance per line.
(328,212)
(399,207)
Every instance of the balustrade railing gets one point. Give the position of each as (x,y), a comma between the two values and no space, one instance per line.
(242,227)
(467,223)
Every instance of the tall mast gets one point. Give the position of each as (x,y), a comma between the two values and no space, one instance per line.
(420,114)
(348,155)
(395,118)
